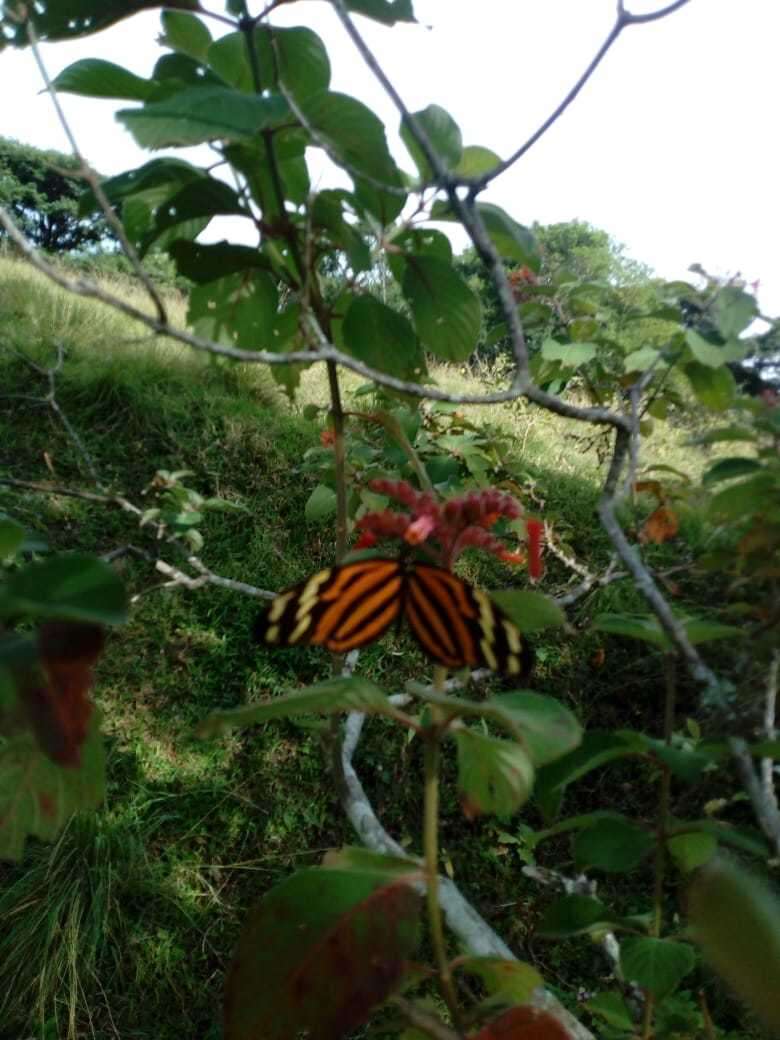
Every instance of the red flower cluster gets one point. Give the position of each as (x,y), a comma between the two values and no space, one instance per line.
(446,528)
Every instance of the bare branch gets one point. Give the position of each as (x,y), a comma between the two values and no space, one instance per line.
(765,809)
(770,732)
(423,1020)
(88,174)
(623,20)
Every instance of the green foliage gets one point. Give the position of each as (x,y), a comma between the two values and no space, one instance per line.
(42,195)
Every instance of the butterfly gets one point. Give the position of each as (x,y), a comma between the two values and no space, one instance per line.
(353,604)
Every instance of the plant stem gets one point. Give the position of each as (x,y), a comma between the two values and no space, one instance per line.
(340,460)
(662,827)
(431,852)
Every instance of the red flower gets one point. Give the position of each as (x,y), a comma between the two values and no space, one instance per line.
(535,530)
(445,529)
(327,438)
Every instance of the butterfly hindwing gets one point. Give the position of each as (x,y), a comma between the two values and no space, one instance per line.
(341,608)
(460,626)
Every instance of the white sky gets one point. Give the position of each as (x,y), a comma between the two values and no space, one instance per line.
(672,147)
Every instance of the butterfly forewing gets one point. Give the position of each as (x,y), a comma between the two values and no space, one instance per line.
(341,608)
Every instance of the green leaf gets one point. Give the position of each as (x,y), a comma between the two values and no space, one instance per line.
(353,857)
(612,1009)
(693,850)
(201,114)
(736,920)
(386,11)
(574,915)
(417,242)
(321,504)
(300,56)
(725,433)
(93,77)
(154,182)
(185,33)
(647,629)
(742,499)
(657,965)
(512,240)
(727,469)
(742,838)
(714,387)
(446,313)
(734,311)
(642,359)
(55,20)
(38,797)
(597,748)
(12,537)
(208,263)
(328,212)
(75,587)
(382,338)
(229,59)
(476,161)
(205,197)
(614,845)
(704,351)
(515,981)
(240,309)
(531,611)
(318,953)
(494,776)
(443,134)
(549,729)
(570,355)
(331,697)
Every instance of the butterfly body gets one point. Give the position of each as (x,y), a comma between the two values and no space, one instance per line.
(353,604)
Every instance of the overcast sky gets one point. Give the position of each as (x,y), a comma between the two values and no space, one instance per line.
(672,146)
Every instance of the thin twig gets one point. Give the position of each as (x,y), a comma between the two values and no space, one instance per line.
(622,21)
(88,174)
(765,809)
(770,733)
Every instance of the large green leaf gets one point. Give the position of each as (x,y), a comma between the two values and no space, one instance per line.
(328,212)
(736,921)
(75,587)
(615,845)
(714,387)
(94,77)
(318,953)
(647,629)
(185,33)
(207,263)
(446,313)
(570,355)
(657,965)
(56,20)
(201,114)
(353,134)
(734,310)
(475,161)
(155,181)
(38,797)
(743,499)
(531,611)
(204,197)
(597,748)
(612,1009)
(573,915)
(321,504)
(514,981)
(12,537)
(443,134)
(386,11)
(382,338)
(727,469)
(512,240)
(240,309)
(494,776)
(548,729)
(300,57)
(333,696)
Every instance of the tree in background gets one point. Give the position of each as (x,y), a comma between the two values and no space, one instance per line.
(40,190)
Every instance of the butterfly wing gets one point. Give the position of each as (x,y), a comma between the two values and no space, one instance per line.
(341,608)
(460,626)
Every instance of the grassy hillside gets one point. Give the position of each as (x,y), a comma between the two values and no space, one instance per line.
(124,927)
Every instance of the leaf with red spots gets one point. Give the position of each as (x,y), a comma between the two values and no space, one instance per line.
(55,694)
(318,953)
(37,796)
(524,1023)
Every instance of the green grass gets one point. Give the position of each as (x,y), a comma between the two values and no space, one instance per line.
(136,910)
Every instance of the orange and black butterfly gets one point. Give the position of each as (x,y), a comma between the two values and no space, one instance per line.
(348,606)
